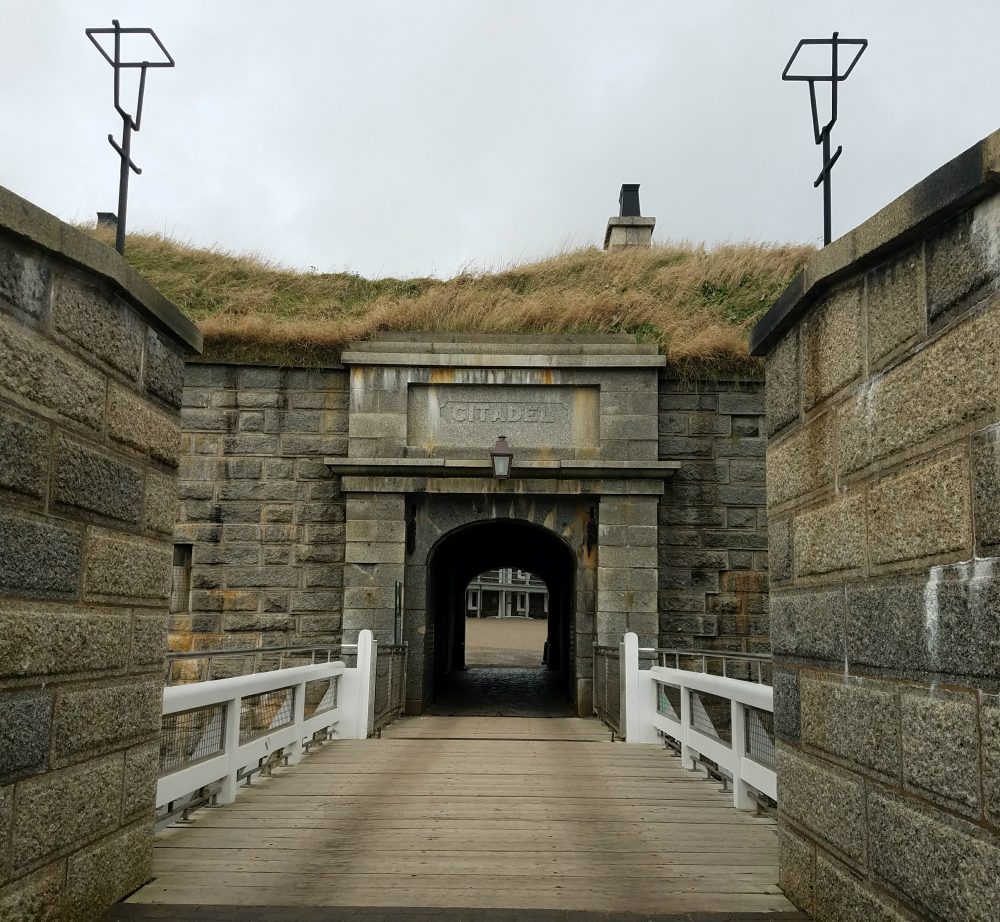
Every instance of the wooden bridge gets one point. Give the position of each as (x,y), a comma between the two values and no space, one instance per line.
(482,816)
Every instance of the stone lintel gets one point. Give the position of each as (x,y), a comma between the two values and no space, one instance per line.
(504,360)
(29,222)
(524,470)
(959,184)
(454,483)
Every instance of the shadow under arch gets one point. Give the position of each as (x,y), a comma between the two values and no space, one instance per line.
(463,553)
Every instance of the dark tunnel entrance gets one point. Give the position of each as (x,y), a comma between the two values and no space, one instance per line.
(511,691)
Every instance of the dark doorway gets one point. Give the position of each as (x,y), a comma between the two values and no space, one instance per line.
(453,562)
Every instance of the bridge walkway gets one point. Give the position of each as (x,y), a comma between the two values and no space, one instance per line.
(507,813)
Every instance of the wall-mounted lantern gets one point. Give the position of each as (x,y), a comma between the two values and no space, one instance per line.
(501,456)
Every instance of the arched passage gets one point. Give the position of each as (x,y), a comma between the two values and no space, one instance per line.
(467,551)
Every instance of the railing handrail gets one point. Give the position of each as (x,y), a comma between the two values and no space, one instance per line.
(752,694)
(714,654)
(178,698)
(254,651)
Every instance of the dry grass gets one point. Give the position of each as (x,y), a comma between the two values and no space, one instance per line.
(698,304)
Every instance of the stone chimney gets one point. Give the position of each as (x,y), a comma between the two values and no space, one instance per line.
(629,229)
(107,219)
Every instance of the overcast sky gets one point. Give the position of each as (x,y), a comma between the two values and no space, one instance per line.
(414,137)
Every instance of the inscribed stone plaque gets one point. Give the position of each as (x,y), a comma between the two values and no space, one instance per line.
(450,416)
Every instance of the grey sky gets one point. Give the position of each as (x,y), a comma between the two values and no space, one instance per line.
(413,137)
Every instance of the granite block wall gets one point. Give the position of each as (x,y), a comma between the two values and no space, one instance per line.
(883,410)
(91,367)
(262,512)
(712,517)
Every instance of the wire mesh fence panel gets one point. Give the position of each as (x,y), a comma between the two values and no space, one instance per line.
(607,686)
(712,716)
(321,695)
(760,736)
(267,711)
(399,683)
(668,700)
(190,736)
(390,691)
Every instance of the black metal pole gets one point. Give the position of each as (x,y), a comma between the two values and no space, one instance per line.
(123,184)
(827,197)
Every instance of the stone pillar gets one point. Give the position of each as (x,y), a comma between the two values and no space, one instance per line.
(629,228)
(91,372)
(883,411)
(627,569)
(373,562)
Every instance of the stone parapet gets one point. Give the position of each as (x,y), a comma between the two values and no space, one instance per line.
(91,373)
(883,410)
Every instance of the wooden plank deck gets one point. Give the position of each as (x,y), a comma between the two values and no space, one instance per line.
(502,813)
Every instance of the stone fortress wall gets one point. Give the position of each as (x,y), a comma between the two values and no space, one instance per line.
(91,374)
(883,409)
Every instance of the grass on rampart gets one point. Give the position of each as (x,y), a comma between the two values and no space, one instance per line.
(697,303)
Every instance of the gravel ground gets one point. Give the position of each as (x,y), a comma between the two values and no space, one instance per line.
(505,642)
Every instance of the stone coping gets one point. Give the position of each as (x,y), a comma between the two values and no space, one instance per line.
(448,467)
(21,218)
(628,221)
(505,360)
(970,177)
(459,483)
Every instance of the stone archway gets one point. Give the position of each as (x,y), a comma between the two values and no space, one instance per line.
(474,548)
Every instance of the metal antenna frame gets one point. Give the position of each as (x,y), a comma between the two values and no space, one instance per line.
(822,134)
(129,123)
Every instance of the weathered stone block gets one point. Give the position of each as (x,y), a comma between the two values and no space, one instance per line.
(53,639)
(127,567)
(87,719)
(947,867)
(6,815)
(953,380)
(163,370)
(142,768)
(831,345)
(779,547)
(255,621)
(958,265)
(58,808)
(24,744)
(801,463)
(948,624)
(103,873)
(828,802)
(986,490)
(102,324)
(24,280)
(149,639)
(208,420)
(787,705)
(853,719)
(40,372)
(989,719)
(830,538)
(895,307)
(784,384)
(808,624)
(796,867)
(138,425)
(38,559)
(262,577)
(842,897)
(24,450)
(35,898)
(920,512)
(160,506)
(97,482)
(742,404)
(941,748)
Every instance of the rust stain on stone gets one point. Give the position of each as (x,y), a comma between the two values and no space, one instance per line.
(442,376)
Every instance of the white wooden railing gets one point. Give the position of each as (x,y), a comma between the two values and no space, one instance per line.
(724,720)
(219,732)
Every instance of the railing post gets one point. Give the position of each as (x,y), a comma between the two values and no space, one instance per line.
(298,693)
(687,760)
(231,739)
(741,790)
(365,713)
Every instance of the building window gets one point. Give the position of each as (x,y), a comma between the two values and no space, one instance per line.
(472,602)
(180,580)
(522,602)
